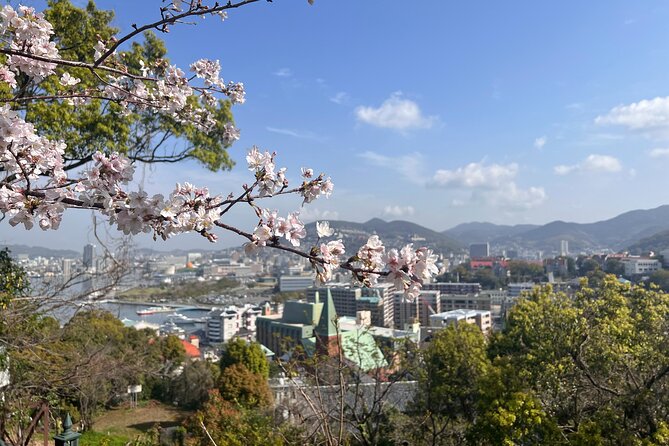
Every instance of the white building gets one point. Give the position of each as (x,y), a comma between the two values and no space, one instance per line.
(295,283)
(480,318)
(640,265)
(515,289)
(223,324)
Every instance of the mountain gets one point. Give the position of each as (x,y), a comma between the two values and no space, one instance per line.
(479,232)
(38,251)
(615,233)
(394,234)
(656,242)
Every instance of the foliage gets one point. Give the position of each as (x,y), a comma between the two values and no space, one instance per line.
(191,388)
(661,279)
(105,126)
(249,354)
(451,369)
(522,271)
(241,386)
(230,425)
(598,362)
(13,279)
(179,292)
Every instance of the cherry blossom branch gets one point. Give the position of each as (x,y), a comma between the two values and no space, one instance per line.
(168,21)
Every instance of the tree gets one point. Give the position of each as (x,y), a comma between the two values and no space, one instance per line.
(597,362)
(223,423)
(661,279)
(143,136)
(248,354)
(241,386)
(451,370)
(191,388)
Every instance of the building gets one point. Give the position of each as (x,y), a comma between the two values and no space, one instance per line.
(418,310)
(469,301)
(295,283)
(564,248)
(314,327)
(453,287)
(283,332)
(515,289)
(349,300)
(640,265)
(481,319)
(224,324)
(344,296)
(89,256)
(67,269)
(479,250)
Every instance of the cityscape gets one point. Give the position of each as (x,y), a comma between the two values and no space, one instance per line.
(317,223)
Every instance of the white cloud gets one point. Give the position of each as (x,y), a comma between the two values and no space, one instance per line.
(648,115)
(593,163)
(659,153)
(409,166)
(476,175)
(398,211)
(540,142)
(340,98)
(283,72)
(293,133)
(395,113)
(492,185)
(511,197)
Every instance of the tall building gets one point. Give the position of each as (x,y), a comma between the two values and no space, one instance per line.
(89,256)
(564,248)
(479,250)
(67,269)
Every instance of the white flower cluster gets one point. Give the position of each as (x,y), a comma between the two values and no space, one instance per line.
(36,189)
(272,226)
(30,33)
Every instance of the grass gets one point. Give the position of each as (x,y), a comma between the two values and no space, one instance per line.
(124,424)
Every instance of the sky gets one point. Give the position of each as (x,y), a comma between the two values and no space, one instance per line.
(435,112)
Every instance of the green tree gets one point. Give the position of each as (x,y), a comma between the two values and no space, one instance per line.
(598,362)
(96,125)
(241,386)
(191,388)
(249,354)
(522,271)
(660,278)
(451,369)
(226,424)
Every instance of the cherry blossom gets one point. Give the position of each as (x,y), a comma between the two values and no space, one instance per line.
(36,190)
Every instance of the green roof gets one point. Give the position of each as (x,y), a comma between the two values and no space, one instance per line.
(296,312)
(327,325)
(361,349)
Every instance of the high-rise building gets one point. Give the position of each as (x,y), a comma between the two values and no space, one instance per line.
(89,256)
(479,250)
(67,269)
(564,248)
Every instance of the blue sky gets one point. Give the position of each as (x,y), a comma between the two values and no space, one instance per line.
(436,112)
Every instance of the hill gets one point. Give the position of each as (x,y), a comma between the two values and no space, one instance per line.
(38,251)
(617,233)
(478,232)
(394,234)
(656,242)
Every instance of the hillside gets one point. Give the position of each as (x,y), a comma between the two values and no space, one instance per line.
(478,232)
(656,242)
(393,234)
(616,233)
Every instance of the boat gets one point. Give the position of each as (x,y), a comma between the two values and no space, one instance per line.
(154,310)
